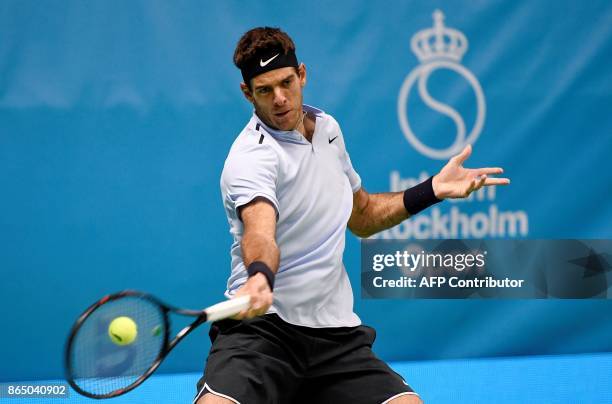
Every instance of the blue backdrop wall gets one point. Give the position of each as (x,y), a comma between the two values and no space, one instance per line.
(115,119)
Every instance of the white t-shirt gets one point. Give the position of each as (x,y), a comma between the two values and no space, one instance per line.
(311,185)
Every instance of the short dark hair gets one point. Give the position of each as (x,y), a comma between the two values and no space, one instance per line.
(261,39)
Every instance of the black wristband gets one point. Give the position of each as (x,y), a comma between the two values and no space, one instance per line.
(420,197)
(259,266)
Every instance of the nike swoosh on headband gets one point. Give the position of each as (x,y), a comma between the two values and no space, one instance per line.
(264,64)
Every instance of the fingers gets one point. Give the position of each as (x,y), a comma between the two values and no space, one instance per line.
(497,181)
(480,181)
(484,181)
(476,184)
(470,188)
(261,297)
(257,309)
(484,172)
(259,306)
(465,153)
(488,171)
(240,315)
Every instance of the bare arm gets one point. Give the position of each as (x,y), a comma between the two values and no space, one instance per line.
(258,244)
(259,237)
(376,212)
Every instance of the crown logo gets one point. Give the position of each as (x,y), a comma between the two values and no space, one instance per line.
(439,42)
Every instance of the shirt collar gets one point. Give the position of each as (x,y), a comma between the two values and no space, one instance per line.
(293,136)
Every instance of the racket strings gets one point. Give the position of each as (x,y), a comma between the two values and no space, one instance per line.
(100,365)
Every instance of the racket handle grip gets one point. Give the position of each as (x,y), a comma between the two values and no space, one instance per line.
(228,308)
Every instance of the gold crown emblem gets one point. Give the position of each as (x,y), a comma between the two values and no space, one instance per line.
(439,42)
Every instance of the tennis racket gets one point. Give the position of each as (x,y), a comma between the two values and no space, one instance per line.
(99,364)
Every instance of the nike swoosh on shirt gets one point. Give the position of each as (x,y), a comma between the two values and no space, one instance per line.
(331,140)
(264,64)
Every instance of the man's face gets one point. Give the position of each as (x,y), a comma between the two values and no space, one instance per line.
(277,96)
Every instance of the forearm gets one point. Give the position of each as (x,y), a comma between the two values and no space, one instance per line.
(260,254)
(259,247)
(376,212)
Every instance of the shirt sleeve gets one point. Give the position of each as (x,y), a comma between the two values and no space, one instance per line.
(250,172)
(352,175)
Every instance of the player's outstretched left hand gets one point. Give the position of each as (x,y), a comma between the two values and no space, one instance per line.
(456,181)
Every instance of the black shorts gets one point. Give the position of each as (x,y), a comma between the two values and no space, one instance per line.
(267,360)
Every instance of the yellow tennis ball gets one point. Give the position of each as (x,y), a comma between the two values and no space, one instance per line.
(122,330)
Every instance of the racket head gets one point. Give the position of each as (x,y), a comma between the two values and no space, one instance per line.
(97,367)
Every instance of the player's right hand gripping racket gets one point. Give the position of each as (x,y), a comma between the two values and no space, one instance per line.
(104,360)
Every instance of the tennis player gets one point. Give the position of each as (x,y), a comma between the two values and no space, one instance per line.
(290,191)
